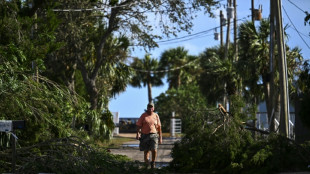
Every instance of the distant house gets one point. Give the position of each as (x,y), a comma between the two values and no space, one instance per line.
(262,116)
(262,121)
(123,125)
(127,125)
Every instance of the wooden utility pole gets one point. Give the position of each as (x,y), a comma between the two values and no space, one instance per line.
(226,53)
(252,9)
(284,114)
(271,93)
(228,32)
(221,28)
(235,30)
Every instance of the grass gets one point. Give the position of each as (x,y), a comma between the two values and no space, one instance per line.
(167,135)
(115,142)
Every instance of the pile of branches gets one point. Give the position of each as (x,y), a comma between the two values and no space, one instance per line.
(65,155)
(221,142)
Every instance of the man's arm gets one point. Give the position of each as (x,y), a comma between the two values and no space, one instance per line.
(138,132)
(160,138)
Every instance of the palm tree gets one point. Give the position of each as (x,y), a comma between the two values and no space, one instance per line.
(175,60)
(254,61)
(216,72)
(146,74)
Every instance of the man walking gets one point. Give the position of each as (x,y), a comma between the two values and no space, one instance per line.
(149,133)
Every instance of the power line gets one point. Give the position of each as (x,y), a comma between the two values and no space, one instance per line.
(305,35)
(166,70)
(295,27)
(196,35)
(119,6)
(296,6)
(92,9)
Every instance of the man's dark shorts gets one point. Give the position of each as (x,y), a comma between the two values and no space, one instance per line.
(148,142)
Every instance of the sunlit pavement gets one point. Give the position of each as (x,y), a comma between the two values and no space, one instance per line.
(131,149)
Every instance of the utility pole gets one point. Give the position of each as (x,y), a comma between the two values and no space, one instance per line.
(227,33)
(221,28)
(226,53)
(235,30)
(252,9)
(271,93)
(284,114)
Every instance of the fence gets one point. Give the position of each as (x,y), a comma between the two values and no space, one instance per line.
(175,126)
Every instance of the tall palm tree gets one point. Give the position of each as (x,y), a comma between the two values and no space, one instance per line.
(175,60)
(254,62)
(216,72)
(254,58)
(146,74)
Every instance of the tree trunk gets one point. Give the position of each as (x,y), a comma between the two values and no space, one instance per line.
(90,84)
(93,94)
(179,81)
(149,92)
(71,85)
(268,95)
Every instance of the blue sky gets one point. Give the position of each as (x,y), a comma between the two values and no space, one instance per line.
(133,101)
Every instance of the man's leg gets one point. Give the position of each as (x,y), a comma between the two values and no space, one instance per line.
(154,155)
(146,156)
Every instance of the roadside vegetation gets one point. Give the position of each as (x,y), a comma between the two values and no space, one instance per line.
(59,68)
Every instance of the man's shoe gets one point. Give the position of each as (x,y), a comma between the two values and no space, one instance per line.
(146,165)
(152,164)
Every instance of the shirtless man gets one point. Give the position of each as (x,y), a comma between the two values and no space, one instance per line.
(149,133)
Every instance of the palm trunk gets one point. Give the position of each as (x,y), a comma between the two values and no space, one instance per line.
(179,81)
(149,92)
(268,95)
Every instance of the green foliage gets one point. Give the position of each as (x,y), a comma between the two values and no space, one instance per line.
(186,102)
(218,71)
(144,74)
(69,156)
(219,143)
(304,86)
(102,125)
(47,108)
(175,60)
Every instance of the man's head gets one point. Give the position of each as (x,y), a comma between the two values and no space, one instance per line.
(150,107)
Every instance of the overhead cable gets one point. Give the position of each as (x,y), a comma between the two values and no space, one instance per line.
(166,70)
(295,27)
(108,6)
(296,6)
(196,35)
(92,9)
